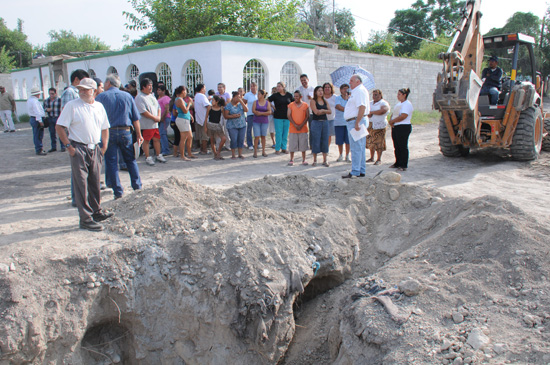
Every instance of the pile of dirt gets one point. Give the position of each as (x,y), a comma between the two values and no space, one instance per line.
(291,270)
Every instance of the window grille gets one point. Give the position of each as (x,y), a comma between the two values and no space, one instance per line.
(290,75)
(92,73)
(134,73)
(111,70)
(253,71)
(164,74)
(192,75)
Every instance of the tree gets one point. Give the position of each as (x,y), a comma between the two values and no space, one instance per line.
(319,17)
(409,27)
(15,43)
(348,44)
(7,62)
(171,20)
(429,51)
(442,15)
(66,42)
(379,43)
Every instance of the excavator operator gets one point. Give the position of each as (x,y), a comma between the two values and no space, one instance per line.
(492,77)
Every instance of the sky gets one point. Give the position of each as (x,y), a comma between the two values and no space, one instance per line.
(104,19)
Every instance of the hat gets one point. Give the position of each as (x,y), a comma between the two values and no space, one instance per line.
(493,58)
(36,90)
(87,83)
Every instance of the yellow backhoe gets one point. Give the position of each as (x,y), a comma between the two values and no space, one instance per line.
(468,120)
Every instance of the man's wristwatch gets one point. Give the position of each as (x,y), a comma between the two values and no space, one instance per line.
(68,145)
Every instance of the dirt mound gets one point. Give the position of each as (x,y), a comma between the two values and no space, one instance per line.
(198,275)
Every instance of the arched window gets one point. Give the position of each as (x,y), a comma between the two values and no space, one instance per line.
(46,85)
(24,89)
(132,73)
(253,71)
(60,84)
(35,82)
(92,73)
(16,89)
(164,74)
(290,75)
(192,75)
(111,70)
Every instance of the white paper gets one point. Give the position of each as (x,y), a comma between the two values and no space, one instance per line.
(358,134)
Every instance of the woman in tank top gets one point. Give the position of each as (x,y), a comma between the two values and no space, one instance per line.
(262,110)
(214,127)
(319,125)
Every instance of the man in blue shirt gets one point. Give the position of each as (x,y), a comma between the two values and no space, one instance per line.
(492,77)
(123,114)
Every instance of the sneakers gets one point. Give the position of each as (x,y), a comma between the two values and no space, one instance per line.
(160,158)
(91,226)
(41,153)
(339,159)
(149,161)
(52,150)
(348,159)
(101,216)
(250,147)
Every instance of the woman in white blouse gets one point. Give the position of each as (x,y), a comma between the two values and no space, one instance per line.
(401,129)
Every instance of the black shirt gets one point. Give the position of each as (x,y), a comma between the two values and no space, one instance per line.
(214,116)
(320,107)
(281,104)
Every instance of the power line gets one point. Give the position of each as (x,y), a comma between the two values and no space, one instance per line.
(400,31)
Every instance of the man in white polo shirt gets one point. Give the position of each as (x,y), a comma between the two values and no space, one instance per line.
(87,124)
(355,114)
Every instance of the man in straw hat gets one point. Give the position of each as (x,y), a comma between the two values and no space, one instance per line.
(36,112)
(87,124)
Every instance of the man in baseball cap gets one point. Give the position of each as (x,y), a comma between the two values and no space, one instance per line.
(492,84)
(87,125)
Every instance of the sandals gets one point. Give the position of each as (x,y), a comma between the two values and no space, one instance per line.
(326,164)
(378,162)
(241,157)
(304,163)
(394,166)
(255,155)
(401,169)
(314,164)
(370,160)
(290,163)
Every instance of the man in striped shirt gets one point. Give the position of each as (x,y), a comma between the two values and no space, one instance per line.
(52,106)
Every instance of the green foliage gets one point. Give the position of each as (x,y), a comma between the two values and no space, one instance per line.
(379,43)
(419,117)
(65,42)
(171,20)
(442,15)
(410,21)
(429,51)
(15,42)
(348,44)
(24,118)
(318,16)
(7,62)
(526,23)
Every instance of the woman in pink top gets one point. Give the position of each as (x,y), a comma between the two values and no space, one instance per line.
(164,101)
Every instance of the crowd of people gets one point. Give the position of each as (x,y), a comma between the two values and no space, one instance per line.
(96,121)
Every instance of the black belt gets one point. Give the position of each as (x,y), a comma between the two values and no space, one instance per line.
(121,128)
(354,118)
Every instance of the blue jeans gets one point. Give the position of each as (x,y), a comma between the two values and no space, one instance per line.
(121,140)
(249,127)
(237,137)
(358,151)
(319,136)
(53,136)
(492,92)
(260,129)
(164,144)
(37,134)
(281,133)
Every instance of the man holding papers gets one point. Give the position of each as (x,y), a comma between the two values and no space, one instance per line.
(355,114)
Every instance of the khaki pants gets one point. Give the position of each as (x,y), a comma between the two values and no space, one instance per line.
(86,170)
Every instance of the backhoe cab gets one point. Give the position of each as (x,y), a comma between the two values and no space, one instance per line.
(468,120)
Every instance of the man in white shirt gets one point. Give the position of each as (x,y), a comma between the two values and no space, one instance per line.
(355,114)
(36,112)
(307,95)
(202,108)
(250,98)
(87,124)
(149,110)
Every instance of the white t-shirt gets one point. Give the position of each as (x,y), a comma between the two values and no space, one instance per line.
(404,108)
(358,97)
(379,121)
(250,99)
(84,121)
(331,104)
(147,103)
(201,104)
(307,94)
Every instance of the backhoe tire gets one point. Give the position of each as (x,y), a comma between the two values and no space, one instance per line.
(546,140)
(527,141)
(448,149)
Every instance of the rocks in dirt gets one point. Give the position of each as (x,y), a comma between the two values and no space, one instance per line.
(410,287)
(457,317)
(4,269)
(12,267)
(394,194)
(477,339)
(391,177)
(531,320)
